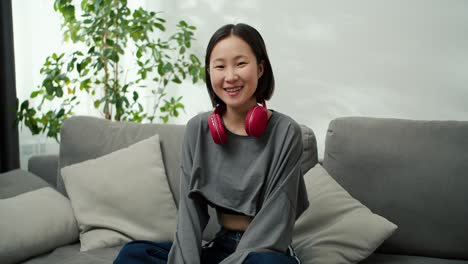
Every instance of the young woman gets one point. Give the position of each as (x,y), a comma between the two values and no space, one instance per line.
(242,159)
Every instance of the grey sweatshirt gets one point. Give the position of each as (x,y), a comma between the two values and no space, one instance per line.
(260,177)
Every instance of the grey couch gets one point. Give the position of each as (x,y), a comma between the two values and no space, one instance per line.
(413,173)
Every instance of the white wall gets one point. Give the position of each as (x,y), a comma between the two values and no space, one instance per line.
(401,59)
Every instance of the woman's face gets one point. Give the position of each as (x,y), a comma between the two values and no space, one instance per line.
(234,72)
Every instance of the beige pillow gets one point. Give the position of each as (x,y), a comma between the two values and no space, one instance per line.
(122,196)
(336,228)
(34,223)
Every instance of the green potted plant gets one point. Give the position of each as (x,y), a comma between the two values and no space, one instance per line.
(110,31)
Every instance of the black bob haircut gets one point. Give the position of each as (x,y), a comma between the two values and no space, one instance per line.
(266,83)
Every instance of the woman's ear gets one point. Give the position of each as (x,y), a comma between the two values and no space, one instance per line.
(261,67)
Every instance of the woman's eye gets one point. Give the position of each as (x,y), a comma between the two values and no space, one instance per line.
(219,67)
(242,63)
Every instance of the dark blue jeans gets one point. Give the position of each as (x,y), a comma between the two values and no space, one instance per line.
(223,245)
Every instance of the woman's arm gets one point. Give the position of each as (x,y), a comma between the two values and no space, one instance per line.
(192,214)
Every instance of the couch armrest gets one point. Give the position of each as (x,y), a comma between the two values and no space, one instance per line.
(45,166)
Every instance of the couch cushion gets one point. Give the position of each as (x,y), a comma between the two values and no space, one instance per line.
(402,259)
(122,196)
(71,255)
(33,223)
(45,166)
(309,157)
(336,228)
(413,173)
(19,181)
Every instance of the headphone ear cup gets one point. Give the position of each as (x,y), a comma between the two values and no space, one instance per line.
(256,121)
(217,129)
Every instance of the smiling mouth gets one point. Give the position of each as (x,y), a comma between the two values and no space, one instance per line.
(233,89)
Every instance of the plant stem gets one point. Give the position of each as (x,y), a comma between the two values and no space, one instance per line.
(106,77)
(163,89)
(160,95)
(118,107)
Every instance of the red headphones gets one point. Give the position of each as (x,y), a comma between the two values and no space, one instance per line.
(255,122)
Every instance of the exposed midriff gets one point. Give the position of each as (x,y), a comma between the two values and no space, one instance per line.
(234,222)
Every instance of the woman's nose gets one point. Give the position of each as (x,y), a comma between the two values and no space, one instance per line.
(231,75)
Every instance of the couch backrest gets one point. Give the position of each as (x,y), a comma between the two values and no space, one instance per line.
(414,173)
(84,138)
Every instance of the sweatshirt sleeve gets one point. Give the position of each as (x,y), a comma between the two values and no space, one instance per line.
(284,200)
(192,215)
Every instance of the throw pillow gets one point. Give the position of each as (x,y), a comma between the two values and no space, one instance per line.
(122,196)
(336,228)
(33,223)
